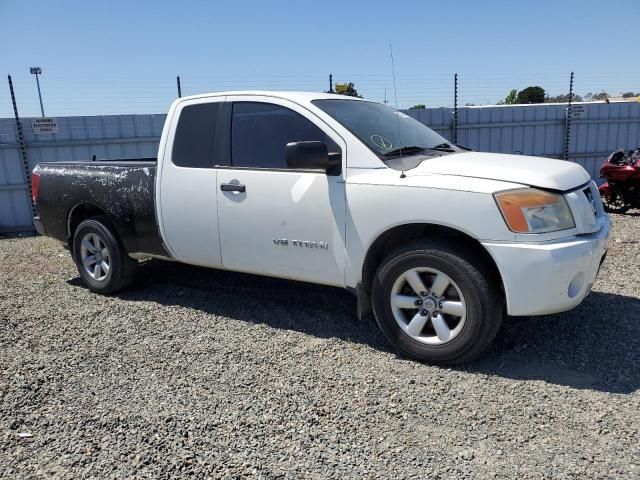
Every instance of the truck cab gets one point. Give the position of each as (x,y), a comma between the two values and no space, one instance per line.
(229,153)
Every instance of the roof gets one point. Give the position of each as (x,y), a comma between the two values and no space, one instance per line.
(287,95)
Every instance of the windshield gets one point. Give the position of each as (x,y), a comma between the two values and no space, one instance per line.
(387,132)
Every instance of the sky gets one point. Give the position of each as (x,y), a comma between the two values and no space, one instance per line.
(123,56)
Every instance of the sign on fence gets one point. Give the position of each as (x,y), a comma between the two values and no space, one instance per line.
(577,111)
(44,125)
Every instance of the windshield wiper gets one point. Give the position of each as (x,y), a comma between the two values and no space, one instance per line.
(408,150)
(442,147)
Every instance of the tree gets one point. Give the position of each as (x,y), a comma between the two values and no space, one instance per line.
(347,89)
(419,106)
(630,94)
(596,96)
(531,95)
(563,98)
(511,97)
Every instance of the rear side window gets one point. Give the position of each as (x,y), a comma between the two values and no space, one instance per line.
(193,145)
(260,133)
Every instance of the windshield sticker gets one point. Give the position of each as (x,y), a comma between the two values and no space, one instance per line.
(381,142)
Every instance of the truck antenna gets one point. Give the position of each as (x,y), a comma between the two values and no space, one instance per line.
(395,94)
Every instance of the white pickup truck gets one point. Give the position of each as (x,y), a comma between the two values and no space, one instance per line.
(438,241)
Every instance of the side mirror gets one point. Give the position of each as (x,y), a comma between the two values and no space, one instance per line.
(311,156)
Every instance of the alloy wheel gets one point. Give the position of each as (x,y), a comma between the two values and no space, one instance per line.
(428,305)
(95,256)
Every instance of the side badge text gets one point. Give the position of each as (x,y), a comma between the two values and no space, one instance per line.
(285,242)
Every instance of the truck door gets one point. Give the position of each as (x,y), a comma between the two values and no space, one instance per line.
(275,220)
(187,180)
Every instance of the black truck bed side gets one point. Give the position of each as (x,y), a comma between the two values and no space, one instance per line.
(124,191)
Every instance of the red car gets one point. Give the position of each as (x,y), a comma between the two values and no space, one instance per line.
(621,191)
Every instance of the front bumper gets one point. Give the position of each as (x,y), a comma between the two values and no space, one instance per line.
(543,278)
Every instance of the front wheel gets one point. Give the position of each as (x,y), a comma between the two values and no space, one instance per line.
(101,259)
(436,303)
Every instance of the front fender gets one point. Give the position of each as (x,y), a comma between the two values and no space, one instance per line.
(376,209)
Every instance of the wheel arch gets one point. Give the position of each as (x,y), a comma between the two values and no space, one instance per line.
(81,212)
(401,234)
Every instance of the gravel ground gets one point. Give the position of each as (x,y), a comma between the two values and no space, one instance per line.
(214,374)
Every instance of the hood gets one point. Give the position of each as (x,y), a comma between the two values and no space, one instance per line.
(533,171)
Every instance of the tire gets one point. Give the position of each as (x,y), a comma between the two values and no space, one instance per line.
(470,307)
(102,244)
(614,203)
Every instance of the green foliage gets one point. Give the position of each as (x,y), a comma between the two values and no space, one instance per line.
(347,89)
(563,98)
(419,106)
(531,95)
(511,97)
(596,96)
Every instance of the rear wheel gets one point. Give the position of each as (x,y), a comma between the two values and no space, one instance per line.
(436,303)
(102,261)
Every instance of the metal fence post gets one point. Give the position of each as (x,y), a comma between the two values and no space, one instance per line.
(455,109)
(179,87)
(22,145)
(567,130)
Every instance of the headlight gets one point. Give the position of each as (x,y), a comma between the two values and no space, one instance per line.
(534,211)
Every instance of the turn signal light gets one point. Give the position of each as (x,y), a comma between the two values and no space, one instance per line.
(534,211)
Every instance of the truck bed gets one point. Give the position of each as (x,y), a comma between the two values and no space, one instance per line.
(122,190)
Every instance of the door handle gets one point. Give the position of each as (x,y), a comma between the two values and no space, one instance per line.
(232,187)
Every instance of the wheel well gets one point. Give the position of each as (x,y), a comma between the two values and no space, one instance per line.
(78,214)
(397,236)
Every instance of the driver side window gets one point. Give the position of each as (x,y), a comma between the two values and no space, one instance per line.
(260,133)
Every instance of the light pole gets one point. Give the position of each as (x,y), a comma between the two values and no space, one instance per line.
(38,71)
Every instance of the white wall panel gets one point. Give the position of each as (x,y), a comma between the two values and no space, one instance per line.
(527,129)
